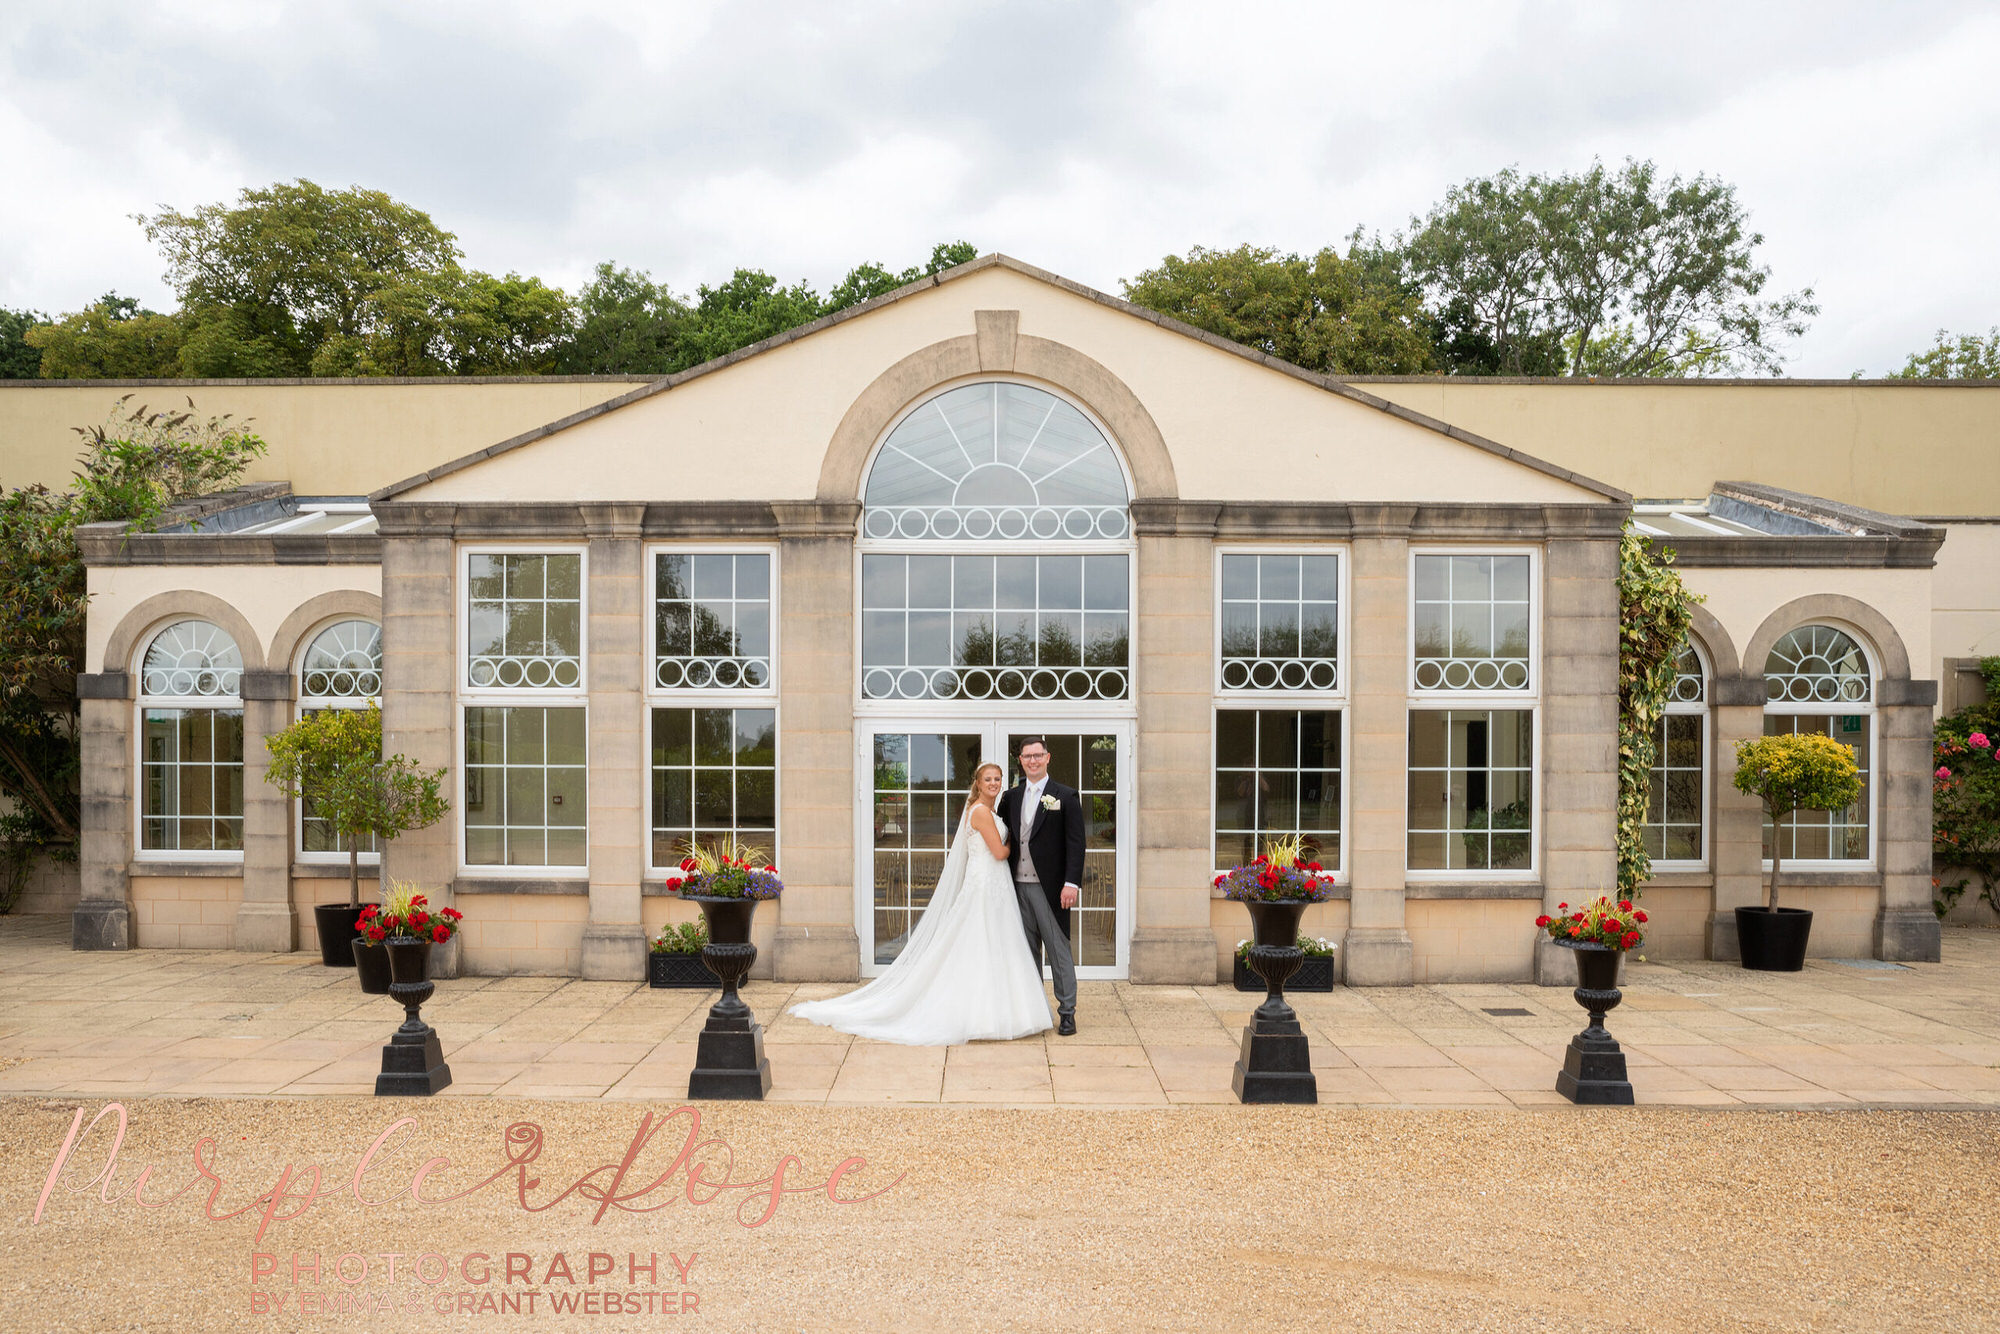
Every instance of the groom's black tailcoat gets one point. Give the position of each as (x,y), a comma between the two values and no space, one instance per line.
(1055,846)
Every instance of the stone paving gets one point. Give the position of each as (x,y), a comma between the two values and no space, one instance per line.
(186,1023)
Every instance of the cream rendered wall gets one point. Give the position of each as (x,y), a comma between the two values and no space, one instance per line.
(759,429)
(1965,594)
(1887,445)
(326,437)
(264,594)
(1742,599)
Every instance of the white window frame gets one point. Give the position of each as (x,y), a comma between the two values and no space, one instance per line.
(733,697)
(1871,726)
(214,703)
(1453,701)
(1697,708)
(1259,701)
(304,704)
(1062,714)
(519,697)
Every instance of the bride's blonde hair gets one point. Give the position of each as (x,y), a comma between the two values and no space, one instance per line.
(972,792)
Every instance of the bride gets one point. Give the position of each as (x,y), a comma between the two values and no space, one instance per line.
(966,973)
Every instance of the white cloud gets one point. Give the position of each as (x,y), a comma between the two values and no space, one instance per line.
(1091,139)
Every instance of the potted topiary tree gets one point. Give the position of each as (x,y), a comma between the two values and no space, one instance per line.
(1790,773)
(333,758)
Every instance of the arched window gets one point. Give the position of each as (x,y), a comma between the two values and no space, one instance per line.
(946,615)
(1819,679)
(340,669)
(191,742)
(1676,812)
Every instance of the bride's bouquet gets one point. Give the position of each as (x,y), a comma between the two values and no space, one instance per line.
(728,872)
(1281,875)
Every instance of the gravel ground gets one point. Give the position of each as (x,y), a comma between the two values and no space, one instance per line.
(1189,1218)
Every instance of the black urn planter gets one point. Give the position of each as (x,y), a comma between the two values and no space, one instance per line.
(335,924)
(413,1061)
(1276,1064)
(678,970)
(1315,974)
(371,966)
(729,1059)
(1773,940)
(1593,1070)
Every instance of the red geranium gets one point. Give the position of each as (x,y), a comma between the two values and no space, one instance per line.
(1613,925)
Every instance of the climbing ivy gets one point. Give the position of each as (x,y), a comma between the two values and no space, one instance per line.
(1655,612)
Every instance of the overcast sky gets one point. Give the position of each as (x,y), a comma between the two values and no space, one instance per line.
(1091,139)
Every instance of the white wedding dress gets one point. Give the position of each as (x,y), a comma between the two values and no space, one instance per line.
(965,974)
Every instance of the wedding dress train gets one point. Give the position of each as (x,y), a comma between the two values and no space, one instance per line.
(965,974)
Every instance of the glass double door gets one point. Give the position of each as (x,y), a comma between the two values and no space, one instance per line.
(914,777)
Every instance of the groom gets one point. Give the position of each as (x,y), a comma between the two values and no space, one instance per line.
(1048,818)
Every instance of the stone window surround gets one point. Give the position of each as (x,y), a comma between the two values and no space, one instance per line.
(656,871)
(1333,698)
(304,703)
(1829,709)
(1684,866)
(469,696)
(229,858)
(1445,700)
(1303,703)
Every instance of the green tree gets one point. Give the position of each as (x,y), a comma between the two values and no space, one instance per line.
(334,757)
(19,359)
(747,309)
(864,282)
(1966,357)
(625,325)
(1794,772)
(1600,273)
(114,339)
(456,322)
(1655,612)
(1336,314)
(133,467)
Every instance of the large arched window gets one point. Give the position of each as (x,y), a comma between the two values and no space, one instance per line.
(996,565)
(340,669)
(191,742)
(1819,679)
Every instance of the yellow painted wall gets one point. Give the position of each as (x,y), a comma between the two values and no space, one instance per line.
(1905,449)
(328,437)
(1965,593)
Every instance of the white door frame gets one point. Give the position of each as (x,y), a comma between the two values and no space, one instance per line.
(993,731)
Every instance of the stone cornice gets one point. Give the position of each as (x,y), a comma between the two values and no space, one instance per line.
(656,520)
(1243,520)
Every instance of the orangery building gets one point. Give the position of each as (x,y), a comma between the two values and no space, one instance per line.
(794,597)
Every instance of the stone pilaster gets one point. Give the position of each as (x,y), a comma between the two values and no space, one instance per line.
(1906,927)
(419,702)
(1578,766)
(815,939)
(614,941)
(1736,836)
(1377,951)
(102,919)
(264,920)
(1173,671)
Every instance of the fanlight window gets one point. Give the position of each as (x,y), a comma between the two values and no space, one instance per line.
(1816,664)
(343,662)
(996,462)
(190,659)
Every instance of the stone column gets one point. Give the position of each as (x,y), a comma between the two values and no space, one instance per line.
(264,920)
(1578,766)
(815,939)
(614,941)
(1906,928)
(419,696)
(1376,764)
(1173,670)
(1736,838)
(102,919)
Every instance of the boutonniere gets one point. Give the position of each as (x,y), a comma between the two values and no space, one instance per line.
(1051,804)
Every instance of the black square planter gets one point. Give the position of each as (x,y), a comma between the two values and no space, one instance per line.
(679,970)
(1315,974)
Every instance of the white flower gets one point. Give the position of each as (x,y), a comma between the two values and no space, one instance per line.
(1051,804)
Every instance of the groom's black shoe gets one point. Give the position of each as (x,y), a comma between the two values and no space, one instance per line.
(1067,1028)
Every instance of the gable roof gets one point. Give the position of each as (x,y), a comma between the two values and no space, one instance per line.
(1328,383)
